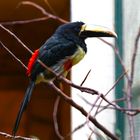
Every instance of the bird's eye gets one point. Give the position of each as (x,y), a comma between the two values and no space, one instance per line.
(77,30)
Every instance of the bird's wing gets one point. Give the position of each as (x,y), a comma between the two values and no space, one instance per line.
(51,54)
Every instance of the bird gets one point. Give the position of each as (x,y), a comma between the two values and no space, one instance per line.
(65,48)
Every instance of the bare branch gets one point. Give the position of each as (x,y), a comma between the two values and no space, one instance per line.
(14,56)
(129,87)
(131,112)
(42,10)
(23,45)
(75,105)
(25,21)
(76,129)
(17,39)
(33,4)
(8,136)
(89,113)
(117,81)
(134,55)
(50,7)
(117,54)
(85,78)
(89,90)
(55,118)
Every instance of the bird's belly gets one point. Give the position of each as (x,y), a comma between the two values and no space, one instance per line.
(47,76)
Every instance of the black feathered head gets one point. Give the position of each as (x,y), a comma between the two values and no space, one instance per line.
(82,30)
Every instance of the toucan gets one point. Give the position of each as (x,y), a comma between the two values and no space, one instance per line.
(65,48)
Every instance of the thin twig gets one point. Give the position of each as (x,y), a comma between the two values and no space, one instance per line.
(35,5)
(129,105)
(50,7)
(76,129)
(8,136)
(89,138)
(134,55)
(131,112)
(24,21)
(55,111)
(108,106)
(129,87)
(114,85)
(85,78)
(97,134)
(13,55)
(38,7)
(115,48)
(42,10)
(89,90)
(17,39)
(29,50)
(89,113)
(116,82)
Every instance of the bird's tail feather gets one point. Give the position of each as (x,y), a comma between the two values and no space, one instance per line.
(23,106)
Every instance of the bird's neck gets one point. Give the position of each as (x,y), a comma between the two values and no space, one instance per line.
(75,39)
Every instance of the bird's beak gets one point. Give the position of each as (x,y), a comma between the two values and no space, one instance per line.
(96,31)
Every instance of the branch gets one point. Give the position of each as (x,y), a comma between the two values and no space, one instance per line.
(114,85)
(76,129)
(8,136)
(24,46)
(25,21)
(117,54)
(50,7)
(89,113)
(16,38)
(129,86)
(131,112)
(42,10)
(89,91)
(85,78)
(134,55)
(13,55)
(55,118)
(46,15)
(71,102)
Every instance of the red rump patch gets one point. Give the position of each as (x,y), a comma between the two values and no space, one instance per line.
(32,61)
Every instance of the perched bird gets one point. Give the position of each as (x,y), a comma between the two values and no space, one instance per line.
(65,48)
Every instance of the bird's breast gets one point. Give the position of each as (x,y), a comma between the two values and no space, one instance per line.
(78,55)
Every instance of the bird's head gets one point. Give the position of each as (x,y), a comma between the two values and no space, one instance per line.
(82,30)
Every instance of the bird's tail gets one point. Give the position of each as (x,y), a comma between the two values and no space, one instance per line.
(23,106)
